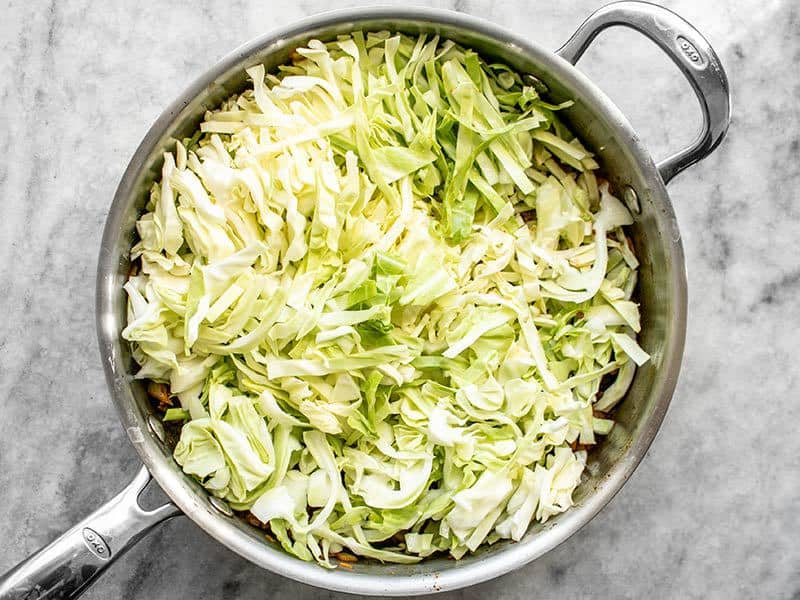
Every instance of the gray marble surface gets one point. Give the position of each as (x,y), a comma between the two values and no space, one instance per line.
(713,510)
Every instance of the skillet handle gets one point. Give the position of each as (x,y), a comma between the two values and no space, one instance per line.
(688,49)
(65,568)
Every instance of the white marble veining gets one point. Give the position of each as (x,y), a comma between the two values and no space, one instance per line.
(713,510)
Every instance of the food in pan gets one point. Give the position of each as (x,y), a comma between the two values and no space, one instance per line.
(387,297)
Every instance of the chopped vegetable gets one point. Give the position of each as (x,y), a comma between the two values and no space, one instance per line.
(385,285)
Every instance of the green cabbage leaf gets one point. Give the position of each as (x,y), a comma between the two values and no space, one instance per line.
(389,292)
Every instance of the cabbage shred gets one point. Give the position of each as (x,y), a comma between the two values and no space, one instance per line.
(371,347)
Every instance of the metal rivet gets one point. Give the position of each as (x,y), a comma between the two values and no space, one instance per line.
(156,427)
(631,199)
(221,506)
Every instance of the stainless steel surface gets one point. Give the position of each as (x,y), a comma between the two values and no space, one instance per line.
(156,427)
(662,289)
(68,565)
(688,49)
(221,506)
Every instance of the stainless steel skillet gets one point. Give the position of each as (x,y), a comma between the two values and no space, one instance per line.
(64,568)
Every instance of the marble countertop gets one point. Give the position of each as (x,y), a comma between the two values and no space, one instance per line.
(712,512)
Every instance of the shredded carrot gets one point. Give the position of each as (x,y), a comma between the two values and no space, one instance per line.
(344,556)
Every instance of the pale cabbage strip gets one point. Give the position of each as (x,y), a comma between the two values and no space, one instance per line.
(371,348)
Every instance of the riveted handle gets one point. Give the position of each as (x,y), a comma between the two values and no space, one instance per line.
(66,567)
(688,49)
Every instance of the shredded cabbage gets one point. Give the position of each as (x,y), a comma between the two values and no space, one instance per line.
(388,290)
